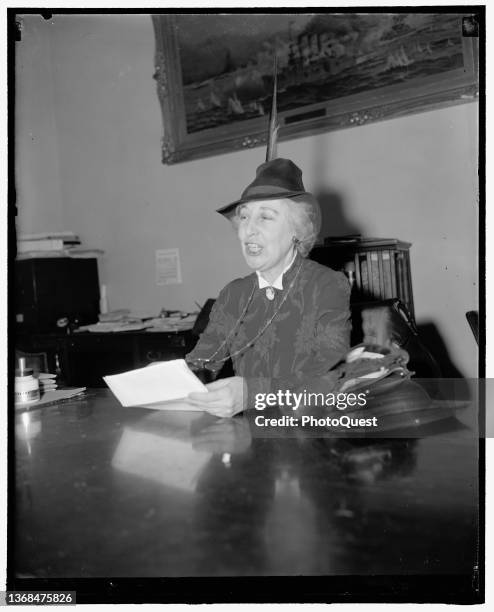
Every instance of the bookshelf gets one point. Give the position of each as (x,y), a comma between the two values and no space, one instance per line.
(377,268)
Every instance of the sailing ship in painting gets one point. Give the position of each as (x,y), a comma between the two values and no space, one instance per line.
(319,65)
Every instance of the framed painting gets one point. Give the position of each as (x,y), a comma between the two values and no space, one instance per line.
(214,73)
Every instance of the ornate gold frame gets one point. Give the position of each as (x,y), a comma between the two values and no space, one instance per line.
(425,93)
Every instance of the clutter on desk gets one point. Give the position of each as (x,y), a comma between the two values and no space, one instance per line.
(114,315)
(112,327)
(47,382)
(54,396)
(85,253)
(123,320)
(53,244)
(30,385)
(176,322)
(26,387)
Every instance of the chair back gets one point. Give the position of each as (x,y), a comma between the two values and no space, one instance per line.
(388,322)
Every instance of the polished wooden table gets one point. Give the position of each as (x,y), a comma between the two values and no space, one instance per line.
(105,492)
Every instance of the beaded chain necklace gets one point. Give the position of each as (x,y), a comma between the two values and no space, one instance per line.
(240,319)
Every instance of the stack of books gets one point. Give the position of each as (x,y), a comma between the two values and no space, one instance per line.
(380,267)
(52,244)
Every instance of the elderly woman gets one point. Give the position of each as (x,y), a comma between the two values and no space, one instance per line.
(286,322)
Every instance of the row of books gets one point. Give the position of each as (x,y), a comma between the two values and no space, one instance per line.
(382,274)
(52,244)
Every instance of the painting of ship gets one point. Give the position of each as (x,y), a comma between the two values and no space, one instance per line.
(320,57)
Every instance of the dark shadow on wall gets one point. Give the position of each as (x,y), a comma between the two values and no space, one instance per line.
(430,336)
(334,220)
(432,339)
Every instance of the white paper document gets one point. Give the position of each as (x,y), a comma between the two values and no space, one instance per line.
(168,271)
(156,384)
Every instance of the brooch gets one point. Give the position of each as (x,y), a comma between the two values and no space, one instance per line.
(270,293)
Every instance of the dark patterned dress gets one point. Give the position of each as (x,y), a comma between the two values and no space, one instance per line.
(308,336)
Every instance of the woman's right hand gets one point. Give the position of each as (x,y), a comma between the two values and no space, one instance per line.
(224,398)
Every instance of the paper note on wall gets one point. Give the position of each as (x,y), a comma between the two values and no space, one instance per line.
(168,270)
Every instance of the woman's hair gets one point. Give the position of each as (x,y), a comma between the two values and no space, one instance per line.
(304,216)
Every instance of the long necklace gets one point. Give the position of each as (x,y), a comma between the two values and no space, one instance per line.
(240,319)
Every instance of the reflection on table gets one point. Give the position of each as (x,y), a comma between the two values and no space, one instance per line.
(109,491)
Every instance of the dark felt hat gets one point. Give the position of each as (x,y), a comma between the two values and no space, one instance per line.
(278,178)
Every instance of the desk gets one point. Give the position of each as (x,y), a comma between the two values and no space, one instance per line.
(108,491)
(88,356)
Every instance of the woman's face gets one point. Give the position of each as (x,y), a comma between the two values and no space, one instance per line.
(266,236)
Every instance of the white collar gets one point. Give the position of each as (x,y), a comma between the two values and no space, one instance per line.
(278,282)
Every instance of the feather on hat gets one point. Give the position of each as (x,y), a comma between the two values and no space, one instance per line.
(277,177)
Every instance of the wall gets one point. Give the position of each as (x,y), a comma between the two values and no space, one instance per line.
(38,181)
(86,91)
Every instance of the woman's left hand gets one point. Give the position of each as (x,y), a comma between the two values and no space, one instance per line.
(225,397)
